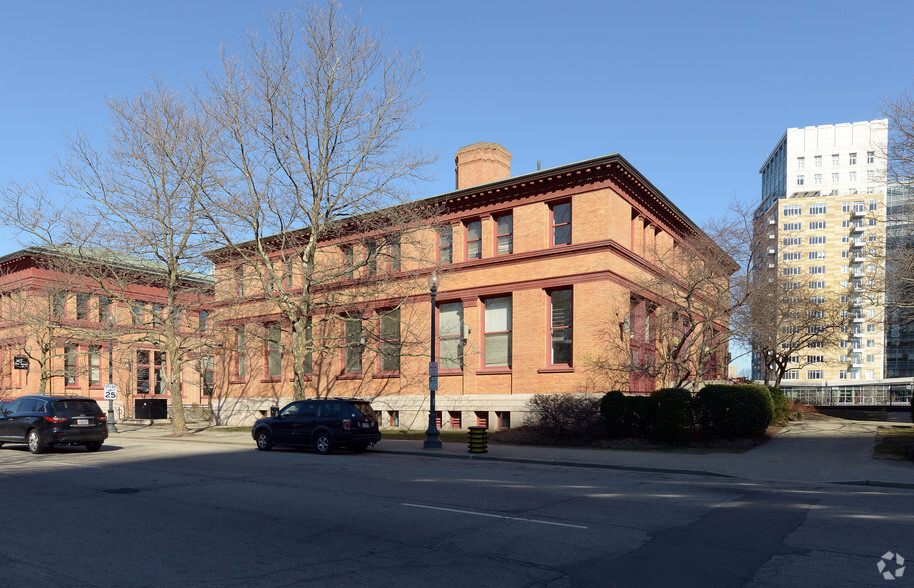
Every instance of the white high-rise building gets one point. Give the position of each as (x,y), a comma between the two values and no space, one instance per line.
(823,215)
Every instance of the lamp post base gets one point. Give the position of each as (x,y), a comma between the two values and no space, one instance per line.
(431,440)
(112,428)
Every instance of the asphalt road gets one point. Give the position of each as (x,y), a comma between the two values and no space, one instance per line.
(166,513)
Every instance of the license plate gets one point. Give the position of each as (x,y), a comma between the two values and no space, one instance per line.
(365,425)
(82,422)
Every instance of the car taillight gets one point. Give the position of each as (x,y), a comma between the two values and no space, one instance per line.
(101,418)
(55,419)
(347,424)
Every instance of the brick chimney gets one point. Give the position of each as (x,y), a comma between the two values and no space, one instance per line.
(481,163)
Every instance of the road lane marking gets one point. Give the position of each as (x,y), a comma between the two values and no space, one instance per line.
(483,514)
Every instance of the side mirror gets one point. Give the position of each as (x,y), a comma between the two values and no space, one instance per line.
(274,411)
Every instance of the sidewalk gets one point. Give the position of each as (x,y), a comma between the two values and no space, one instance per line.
(836,451)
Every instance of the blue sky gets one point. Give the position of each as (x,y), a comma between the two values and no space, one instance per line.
(693,94)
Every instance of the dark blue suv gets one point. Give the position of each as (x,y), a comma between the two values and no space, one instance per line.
(45,421)
(321,423)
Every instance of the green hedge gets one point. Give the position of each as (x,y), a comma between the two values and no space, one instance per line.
(781,405)
(744,410)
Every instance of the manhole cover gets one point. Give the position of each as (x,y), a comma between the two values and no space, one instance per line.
(121,491)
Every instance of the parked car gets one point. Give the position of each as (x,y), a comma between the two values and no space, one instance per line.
(321,423)
(45,421)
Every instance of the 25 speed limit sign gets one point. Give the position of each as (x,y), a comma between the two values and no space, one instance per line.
(110,391)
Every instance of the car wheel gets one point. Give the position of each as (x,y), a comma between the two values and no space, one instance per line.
(264,440)
(323,442)
(35,444)
(359,447)
(93,446)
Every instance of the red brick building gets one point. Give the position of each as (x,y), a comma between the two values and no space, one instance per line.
(536,272)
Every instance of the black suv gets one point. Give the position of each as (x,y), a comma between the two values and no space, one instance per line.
(322,423)
(45,421)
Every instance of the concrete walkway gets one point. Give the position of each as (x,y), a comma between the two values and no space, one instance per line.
(832,450)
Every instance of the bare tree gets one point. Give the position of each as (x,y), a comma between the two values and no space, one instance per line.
(131,220)
(676,330)
(313,178)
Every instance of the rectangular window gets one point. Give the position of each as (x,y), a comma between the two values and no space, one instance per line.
(793,210)
(792,375)
(70,366)
(497,331)
(104,307)
(389,330)
(852,176)
(816,255)
(371,257)
(136,314)
(504,234)
(348,262)
(793,226)
(394,416)
(482,418)
(814,374)
(207,375)
(561,223)
(353,350)
(445,245)
(800,180)
(816,285)
(288,273)
(791,256)
(560,332)
(818,160)
(82,306)
(274,350)
(149,376)
(239,280)
(450,336)
(871,157)
(835,177)
(817,225)
(454,416)
(817,178)
(157,315)
(835,159)
(817,209)
(95,374)
(58,304)
(817,269)
(393,253)
(240,353)
(474,239)
(202,321)
(801,162)
(852,159)
(791,271)
(504,419)
(792,241)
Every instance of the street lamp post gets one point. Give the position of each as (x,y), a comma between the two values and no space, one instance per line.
(112,428)
(431,434)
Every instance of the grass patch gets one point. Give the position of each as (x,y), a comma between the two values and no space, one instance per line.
(893,442)
(229,429)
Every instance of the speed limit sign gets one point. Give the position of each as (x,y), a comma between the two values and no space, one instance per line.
(110,391)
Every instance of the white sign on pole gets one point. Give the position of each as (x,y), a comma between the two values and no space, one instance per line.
(110,391)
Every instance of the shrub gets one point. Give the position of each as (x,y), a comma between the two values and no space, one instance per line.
(781,405)
(674,422)
(734,411)
(615,414)
(641,411)
(566,415)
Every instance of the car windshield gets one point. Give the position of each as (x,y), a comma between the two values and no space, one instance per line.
(76,407)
